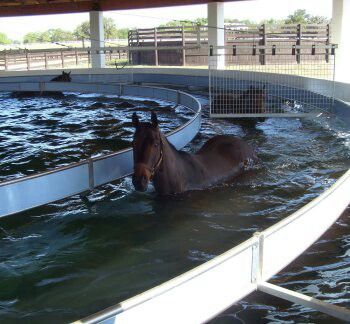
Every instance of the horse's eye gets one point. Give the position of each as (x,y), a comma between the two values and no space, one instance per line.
(156,144)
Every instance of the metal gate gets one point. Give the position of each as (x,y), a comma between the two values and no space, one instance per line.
(271,80)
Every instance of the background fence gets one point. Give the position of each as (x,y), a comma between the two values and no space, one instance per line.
(235,35)
(173,46)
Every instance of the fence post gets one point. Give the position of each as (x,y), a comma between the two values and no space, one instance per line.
(155,45)
(83,41)
(89,58)
(328,41)
(298,43)
(28,60)
(5,60)
(262,42)
(183,46)
(76,58)
(62,59)
(198,35)
(46,62)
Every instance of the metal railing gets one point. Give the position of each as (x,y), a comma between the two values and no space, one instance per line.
(46,187)
(207,290)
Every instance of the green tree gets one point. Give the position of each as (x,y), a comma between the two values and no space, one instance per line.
(300,16)
(318,20)
(60,35)
(4,39)
(110,29)
(123,33)
(48,36)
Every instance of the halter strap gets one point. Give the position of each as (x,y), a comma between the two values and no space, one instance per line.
(159,162)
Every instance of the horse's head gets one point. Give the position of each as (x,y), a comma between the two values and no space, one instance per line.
(148,151)
(257,97)
(64,77)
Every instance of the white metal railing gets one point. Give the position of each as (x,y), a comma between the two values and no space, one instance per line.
(205,291)
(46,187)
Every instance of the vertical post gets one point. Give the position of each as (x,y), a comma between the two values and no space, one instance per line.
(97,39)
(83,41)
(327,42)
(76,58)
(5,60)
(262,42)
(62,59)
(28,60)
(216,34)
(198,35)
(46,63)
(298,43)
(183,46)
(155,45)
(340,35)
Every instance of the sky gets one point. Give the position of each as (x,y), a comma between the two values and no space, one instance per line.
(255,10)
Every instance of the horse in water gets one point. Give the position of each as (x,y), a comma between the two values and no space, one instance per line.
(64,77)
(251,101)
(172,171)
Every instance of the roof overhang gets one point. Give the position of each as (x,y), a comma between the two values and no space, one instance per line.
(10,8)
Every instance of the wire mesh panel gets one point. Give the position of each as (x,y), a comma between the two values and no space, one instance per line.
(271,81)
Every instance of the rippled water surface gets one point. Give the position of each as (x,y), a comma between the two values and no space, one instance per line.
(64,261)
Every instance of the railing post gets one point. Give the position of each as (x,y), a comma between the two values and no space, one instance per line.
(183,45)
(155,45)
(198,35)
(328,41)
(46,62)
(5,60)
(62,59)
(298,43)
(258,256)
(28,60)
(262,42)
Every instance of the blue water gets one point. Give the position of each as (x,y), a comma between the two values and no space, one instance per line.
(69,259)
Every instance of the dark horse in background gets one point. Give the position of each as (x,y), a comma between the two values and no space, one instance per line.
(64,77)
(251,101)
(172,171)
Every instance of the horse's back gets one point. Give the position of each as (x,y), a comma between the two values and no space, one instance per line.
(225,152)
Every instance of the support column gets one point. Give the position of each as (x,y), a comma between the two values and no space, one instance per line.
(216,33)
(340,35)
(97,39)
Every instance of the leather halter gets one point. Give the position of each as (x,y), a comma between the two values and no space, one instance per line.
(159,162)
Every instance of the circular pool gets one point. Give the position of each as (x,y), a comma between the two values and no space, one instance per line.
(69,259)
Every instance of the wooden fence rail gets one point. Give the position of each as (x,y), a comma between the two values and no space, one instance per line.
(53,58)
(282,36)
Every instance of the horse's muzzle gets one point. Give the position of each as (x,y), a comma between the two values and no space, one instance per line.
(140,183)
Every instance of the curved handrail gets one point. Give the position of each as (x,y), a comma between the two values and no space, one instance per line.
(42,188)
(207,290)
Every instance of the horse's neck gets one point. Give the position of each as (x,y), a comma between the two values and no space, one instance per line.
(172,174)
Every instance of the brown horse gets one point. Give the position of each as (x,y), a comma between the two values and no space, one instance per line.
(64,77)
(248,102)
(173,171)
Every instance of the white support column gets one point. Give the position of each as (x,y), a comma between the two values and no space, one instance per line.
(97,39)
(340,35)
(216,33)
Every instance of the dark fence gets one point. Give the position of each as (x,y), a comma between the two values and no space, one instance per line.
(54,58)
(281,36)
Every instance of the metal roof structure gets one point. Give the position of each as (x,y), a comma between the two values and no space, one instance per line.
(10,8)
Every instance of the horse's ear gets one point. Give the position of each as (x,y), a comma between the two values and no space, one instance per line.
(135,120)
(69,72)
(154,119)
